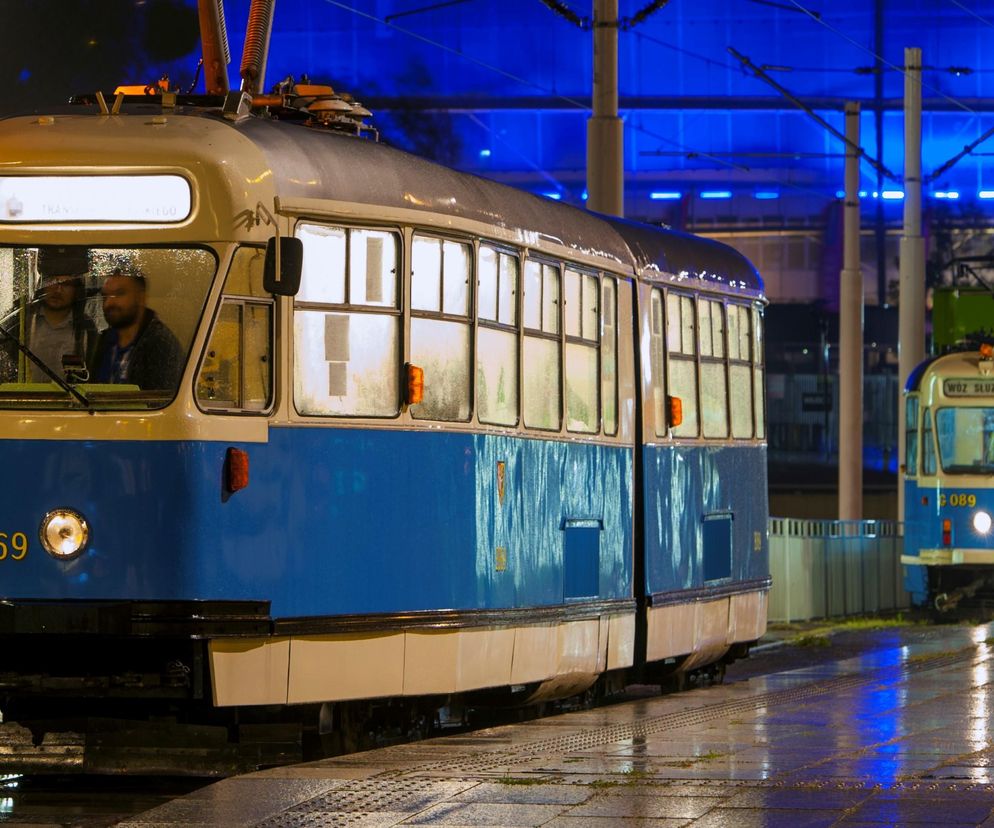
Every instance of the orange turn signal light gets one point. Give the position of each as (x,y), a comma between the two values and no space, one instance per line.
(236,465)
(986,351)
(415,384)
(674,411)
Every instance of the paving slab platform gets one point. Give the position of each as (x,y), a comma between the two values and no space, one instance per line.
(903,735)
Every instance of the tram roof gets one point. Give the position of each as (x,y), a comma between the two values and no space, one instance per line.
(317,164)
(665,254)
(313,163)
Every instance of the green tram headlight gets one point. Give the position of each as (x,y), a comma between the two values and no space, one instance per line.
(982,522)
(64,533)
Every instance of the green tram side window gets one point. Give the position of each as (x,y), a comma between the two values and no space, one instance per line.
(911,406)
(236,372)
(928,444)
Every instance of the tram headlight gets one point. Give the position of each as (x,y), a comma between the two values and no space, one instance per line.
(64,533)
(982,522)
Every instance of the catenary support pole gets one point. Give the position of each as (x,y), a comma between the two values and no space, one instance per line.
(605,158)
(911,310)
(851,338)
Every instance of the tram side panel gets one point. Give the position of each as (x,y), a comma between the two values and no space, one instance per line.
(523,543)
(704,505)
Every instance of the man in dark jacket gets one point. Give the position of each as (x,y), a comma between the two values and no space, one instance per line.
(137,348)
(60,325)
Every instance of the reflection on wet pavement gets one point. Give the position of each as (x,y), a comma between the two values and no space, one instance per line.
(899,736)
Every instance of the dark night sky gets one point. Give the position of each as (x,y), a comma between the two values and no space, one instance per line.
(52,49)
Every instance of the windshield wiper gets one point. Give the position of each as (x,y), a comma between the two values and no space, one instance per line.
(24,349)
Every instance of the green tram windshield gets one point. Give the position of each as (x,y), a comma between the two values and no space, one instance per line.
(966,439)
(96,327)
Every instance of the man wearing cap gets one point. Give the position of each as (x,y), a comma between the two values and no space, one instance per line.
(60,325)
(137,348)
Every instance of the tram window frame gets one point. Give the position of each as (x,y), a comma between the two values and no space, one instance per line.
(912,408)
(657,360)
(609,355)
(929,455)
(443,312)
(759,372)
(581,342)
(681,352)
(546,313)
(338,337)
(740,371)
(713,382)
(502,326)
(253,297)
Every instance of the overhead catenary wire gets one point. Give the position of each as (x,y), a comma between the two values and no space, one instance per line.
(972,13)
(423,9)
(763,76)
(883,60)
(572,101)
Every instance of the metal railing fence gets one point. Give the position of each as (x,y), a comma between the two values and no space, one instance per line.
(832,568)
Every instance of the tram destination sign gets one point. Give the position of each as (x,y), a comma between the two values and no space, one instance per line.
(159,198)
(982,387)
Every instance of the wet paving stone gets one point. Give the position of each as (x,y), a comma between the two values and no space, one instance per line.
(899,737)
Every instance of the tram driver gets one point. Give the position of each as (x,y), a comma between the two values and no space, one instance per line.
(60,326)
(137,347)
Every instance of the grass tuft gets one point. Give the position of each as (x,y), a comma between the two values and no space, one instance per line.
(520,780)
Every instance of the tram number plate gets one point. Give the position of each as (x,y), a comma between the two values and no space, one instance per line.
(956,499)
(13,546)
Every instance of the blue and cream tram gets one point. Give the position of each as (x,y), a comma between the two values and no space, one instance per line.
(491,444)
(949,479)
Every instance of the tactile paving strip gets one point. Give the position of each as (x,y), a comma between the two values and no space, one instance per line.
(351,804)
(585,740)
(408,791)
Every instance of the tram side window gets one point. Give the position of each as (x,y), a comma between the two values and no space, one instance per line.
(656,333)
(759,389)
(928,445)
(740,369)
(497,338)
(582,381)
(347,323)
(681,367)
(911,436)
(714,392)
(237,369)
(542,368)
(440,326)
(609,355)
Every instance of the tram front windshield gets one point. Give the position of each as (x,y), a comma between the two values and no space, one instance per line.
(97,327)
(966,439)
